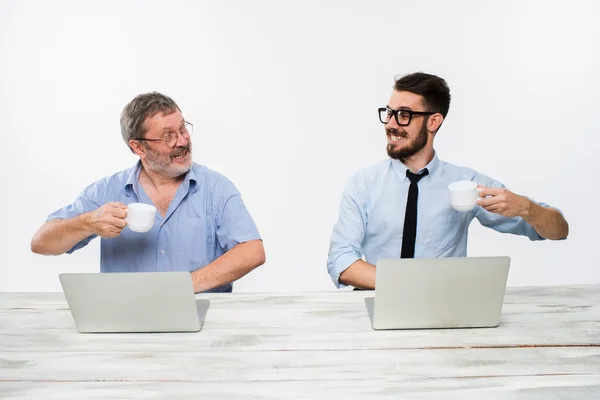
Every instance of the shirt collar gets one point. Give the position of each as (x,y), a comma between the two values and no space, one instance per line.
(131,184)
(432,167)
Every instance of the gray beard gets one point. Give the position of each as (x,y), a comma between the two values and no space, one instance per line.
(161,164)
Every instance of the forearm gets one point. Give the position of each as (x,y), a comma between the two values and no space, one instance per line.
(58,236)
(360,274)
(546,221)
(230,267)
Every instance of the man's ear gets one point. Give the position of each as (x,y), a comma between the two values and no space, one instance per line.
(434,122)
(136,147)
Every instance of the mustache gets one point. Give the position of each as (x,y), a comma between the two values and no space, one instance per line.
(396,132)
(177,151)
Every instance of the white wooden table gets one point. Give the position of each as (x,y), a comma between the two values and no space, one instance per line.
(307,345)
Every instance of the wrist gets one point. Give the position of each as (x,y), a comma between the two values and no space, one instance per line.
(85,223)
(195,281)
(527,208)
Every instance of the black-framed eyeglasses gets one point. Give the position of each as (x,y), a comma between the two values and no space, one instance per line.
(170,138)
(403,117)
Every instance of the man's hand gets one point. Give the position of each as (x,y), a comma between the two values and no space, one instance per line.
(109,220)
(503,202)
(57,236)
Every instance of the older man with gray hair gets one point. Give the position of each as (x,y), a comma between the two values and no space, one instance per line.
(202,225)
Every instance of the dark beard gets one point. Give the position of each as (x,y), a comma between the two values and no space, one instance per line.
(407,151)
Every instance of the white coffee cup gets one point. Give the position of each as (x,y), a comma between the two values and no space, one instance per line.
(463,195)
(140,217)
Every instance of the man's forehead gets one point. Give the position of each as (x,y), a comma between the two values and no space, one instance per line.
(161,119)
(405,99)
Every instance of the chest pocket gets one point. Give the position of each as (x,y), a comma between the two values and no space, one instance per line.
(445,228)
(197,241)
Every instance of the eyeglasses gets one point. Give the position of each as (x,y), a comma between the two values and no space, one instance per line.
(402,116)
(170,138)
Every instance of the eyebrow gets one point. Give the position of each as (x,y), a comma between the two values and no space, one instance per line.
(401,108)
(169,129)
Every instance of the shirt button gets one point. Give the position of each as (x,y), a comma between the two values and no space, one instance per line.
(162,252)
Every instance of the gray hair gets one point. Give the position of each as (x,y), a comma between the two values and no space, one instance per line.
(141,107)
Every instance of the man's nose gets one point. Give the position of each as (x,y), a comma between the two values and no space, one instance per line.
(181,141)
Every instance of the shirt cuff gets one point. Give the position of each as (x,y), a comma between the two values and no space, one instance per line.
(340,265)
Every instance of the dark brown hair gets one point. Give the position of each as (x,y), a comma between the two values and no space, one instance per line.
(435,90)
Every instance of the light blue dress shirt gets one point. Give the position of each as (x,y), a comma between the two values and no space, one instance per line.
(205,219)
(371,215)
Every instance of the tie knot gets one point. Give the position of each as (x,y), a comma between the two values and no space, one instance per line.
(414,178)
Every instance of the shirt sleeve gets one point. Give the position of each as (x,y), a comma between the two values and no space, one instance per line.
(513,225)
(88,200)
(348,232)
(234,224)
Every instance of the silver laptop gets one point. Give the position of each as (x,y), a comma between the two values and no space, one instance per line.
(133,302)
(422,293)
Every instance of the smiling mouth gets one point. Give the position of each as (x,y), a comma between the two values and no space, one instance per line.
(180,155)
(395,135)
(395,138)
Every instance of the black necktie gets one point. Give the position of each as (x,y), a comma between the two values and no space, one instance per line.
(410,218)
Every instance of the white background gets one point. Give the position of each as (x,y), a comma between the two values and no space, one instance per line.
(283,96)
